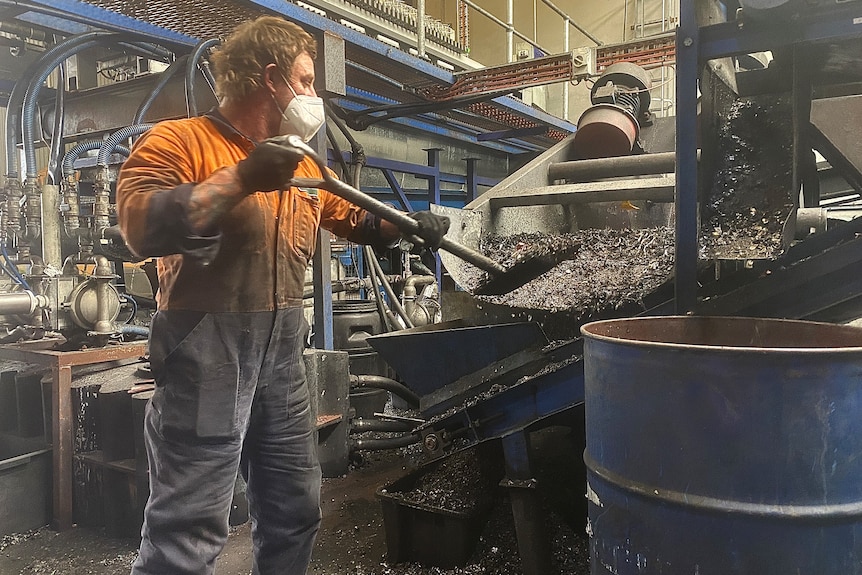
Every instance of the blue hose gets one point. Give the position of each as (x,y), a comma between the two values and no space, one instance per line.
(114,139)
(16,97)
(138,330)
(13,269)
(28,112)
(164,78)
(75,153)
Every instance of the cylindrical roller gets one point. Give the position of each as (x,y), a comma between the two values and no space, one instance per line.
(21,303)
(605,130)
(590,170)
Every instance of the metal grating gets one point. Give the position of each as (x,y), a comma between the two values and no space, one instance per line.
(197,18)
(646,52)
(205,19)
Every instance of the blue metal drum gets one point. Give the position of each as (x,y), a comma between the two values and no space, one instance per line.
(721,446)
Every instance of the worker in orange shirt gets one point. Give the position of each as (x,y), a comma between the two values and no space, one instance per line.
(209,197)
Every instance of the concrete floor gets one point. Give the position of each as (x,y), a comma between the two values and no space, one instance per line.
(352,538)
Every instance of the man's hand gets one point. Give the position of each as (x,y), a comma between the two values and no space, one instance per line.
(432,228)
(268,167)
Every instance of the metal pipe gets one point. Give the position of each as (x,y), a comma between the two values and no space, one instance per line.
(401,220)
(51,239)
(625,19)
(566,84)
(590,170)
(390,385)
(363,444)
(399,309)
(420,27)
(510,29)
(361,425)
(103,274)
(21,303)
(390,322)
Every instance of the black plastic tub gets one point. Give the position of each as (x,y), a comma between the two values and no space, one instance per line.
(440,535)
(25,484)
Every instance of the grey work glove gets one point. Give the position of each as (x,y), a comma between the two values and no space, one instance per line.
(268,167)
(432,228)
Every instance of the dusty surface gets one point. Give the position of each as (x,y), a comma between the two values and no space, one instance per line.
(352,539)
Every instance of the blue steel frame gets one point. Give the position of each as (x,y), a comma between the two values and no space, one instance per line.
(433,175)
(51,13)
(695,46)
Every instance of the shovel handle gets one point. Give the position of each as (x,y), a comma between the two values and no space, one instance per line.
(401,220)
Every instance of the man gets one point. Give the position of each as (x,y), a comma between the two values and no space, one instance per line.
(208,197)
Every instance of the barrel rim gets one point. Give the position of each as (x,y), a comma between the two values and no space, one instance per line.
(705,503)
(621,340)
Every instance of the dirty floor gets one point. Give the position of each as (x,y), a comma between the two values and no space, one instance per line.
(352,537)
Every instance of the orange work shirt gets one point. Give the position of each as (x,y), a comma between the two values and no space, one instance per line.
(257,258)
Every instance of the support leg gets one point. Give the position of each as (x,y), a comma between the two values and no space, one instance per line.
(530,524)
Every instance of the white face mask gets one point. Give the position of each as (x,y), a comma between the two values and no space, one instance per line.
(303,116)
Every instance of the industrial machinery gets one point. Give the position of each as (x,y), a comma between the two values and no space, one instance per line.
(755,213)
(739,218)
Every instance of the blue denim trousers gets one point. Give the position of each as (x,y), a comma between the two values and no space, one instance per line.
(230,395)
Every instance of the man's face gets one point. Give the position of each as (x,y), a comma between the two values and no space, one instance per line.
(301,79)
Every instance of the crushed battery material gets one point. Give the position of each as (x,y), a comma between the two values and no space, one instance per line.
(609,269)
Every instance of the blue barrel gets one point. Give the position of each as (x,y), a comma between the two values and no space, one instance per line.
(721,446)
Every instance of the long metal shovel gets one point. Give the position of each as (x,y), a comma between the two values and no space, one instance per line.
(502,280)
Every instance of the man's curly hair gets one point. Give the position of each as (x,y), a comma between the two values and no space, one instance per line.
(241,59)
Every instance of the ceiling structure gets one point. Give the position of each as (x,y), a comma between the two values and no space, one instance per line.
(381,82)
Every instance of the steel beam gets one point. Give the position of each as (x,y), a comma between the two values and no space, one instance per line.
(655,189)
(686,229)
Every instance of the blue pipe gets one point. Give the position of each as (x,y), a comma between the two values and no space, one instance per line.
(31,96)
(117,137)
(139,330)
(191,68)
(57,127)
(29,109)
(16,97)
(75,153)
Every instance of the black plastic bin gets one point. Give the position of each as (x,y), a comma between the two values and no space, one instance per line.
(432,535)
(25,484)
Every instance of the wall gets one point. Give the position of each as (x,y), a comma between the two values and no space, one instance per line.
(611,22)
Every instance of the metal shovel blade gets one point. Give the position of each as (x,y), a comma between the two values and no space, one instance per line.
(524,270)
(466,229)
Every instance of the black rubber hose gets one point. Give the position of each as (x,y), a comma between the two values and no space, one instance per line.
(191,70)
(336,149)
(390,385)
(163,80)
(362,444)
(361,425)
